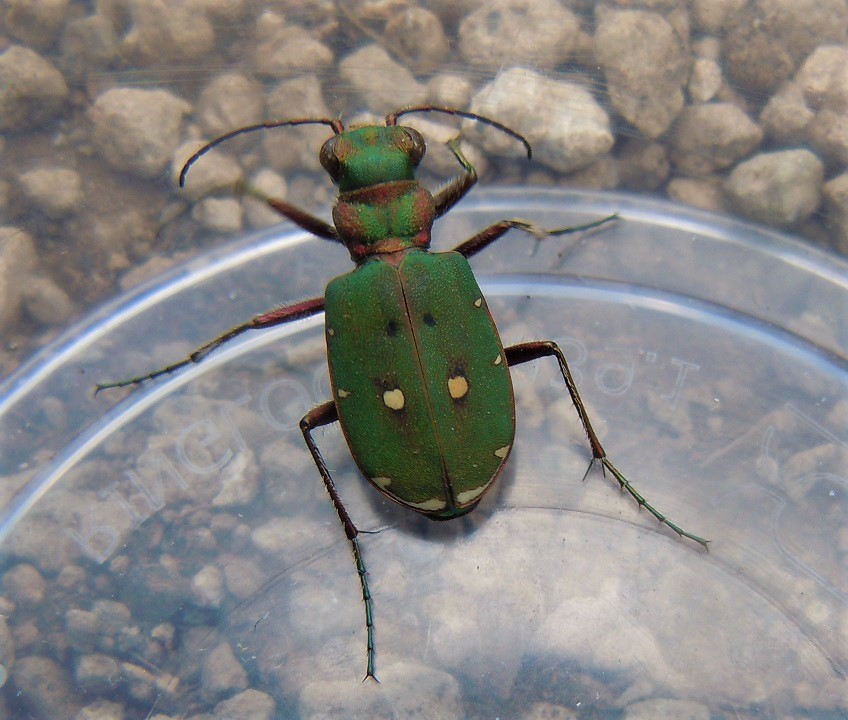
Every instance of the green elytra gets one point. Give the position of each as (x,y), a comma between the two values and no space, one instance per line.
(420,379)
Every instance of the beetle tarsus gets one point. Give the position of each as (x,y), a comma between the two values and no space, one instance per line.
(525,352)
(327,414)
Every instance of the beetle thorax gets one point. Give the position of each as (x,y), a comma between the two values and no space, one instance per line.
(384,218)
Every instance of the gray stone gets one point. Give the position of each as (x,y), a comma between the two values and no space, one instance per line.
(779,188)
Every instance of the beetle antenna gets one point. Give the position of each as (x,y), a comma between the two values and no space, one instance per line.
(392,118)
(334,123)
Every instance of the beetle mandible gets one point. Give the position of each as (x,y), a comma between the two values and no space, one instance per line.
(420,380)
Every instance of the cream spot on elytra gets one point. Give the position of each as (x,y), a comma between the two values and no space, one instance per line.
(502,452)
(394,399)
(457,387)
(468,495)
(428,505)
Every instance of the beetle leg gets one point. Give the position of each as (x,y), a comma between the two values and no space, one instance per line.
(299,217)
(495,231)
(279,316)
(454,190)
(525,352)
(318,417)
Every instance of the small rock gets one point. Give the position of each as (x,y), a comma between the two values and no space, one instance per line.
(504,33)
(102,710)
(163,32)
(156,590)
(220,215)
(7,651)
(141,683)
(47,303)
(35,22)
(766,39)
(419,37)
(712,15)
(248,704)
(164,633)
(88,45)
(576,131)
(666,709)
(136,130)
(712,137)
(238,481)
(642,165)
(827,132)
(645,64)
(778,188)
(18,257)
(81,629)
(32,91)
(228,102)
(45,687)
(549,711)
(72,578)
(221,673)
(26,635)
(295,147)
(706,80)
(112,617)
(56,191)
(259,214)
(786,115)
(449,90)
(24,584)
(397,86)
(97,673)
(207,587)
(282,536)
(836,201)
(823,78)
(705,193)
(284,49)
(243,577)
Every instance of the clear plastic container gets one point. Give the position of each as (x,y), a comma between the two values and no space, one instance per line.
(179,535)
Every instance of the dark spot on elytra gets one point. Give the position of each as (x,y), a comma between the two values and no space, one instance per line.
(429,320)
(391,328)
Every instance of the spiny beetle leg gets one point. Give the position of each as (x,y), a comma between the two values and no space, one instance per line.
(525,352)
(495,231)
(299,217)
(279,316)
(318,417)
(454,190)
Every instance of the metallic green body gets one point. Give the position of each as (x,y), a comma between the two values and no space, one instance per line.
(420,380)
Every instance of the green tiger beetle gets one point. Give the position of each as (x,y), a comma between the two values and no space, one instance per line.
(420,380)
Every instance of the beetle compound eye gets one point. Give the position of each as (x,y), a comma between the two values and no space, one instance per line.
(416,147)
(329,160)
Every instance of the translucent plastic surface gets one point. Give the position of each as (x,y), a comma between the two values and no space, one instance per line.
(712,358)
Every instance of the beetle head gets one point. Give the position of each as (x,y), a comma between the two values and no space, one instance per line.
(370,155)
